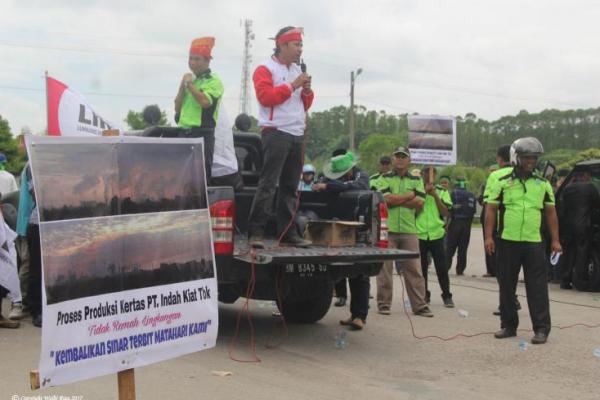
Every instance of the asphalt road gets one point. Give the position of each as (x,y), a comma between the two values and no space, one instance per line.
(384,361)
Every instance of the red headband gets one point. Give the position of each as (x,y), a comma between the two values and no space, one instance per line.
(293,35)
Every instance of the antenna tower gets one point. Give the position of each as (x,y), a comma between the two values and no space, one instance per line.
(245,92)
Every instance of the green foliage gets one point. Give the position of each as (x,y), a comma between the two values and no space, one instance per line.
(475,176)
(559,156)
(376,146)
(563,134)
(589,154)
(328,130)
(10,147)
(135,120)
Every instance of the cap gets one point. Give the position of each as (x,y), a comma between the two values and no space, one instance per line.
(385,160)
(402,150)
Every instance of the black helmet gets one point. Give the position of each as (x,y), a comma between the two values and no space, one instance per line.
(243,122)
(528,146)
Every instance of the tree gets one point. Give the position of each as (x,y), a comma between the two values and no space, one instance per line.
(589,154)
(376,146)
(10,147)
(136,120)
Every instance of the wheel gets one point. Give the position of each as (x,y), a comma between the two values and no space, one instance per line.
(587,279)
(228,294)
(306,310)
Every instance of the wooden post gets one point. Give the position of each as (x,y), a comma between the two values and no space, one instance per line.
(431,174)
(126,384)
(34,379)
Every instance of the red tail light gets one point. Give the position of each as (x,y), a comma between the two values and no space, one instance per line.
(222,217)
(383,226)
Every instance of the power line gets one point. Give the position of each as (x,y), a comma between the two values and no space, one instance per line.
(362,99)
(9,87)
(428,84)
(100,51)
(90,51)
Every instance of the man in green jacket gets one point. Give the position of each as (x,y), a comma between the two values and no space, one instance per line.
(385,165)
(431,232)
(199,97)
(524,196)
(404,195)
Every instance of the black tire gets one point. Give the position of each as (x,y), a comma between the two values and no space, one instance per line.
(308,310)
(228,294)
(587,278)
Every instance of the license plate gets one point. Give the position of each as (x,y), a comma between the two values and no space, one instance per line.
(305,270)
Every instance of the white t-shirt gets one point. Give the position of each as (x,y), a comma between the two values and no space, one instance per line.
(8,184)
(224,159)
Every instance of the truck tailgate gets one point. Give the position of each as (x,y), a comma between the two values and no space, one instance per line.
(317,255)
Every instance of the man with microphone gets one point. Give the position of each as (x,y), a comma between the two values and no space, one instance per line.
(284,93)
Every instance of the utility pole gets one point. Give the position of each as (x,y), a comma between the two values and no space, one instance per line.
(244,91)
(353,77)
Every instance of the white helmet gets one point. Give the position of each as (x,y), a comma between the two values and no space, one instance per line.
(527,146)
(308,169)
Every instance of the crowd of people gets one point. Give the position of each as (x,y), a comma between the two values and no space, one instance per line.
(27,299)
(433,217)
(429,215)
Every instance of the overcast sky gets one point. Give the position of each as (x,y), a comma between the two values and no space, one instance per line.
(492,58)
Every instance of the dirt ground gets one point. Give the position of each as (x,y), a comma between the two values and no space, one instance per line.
(384,361)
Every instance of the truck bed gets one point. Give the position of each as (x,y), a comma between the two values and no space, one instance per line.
(316,254)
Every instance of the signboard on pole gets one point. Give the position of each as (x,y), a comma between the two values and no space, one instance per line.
(432,139)
(129,276)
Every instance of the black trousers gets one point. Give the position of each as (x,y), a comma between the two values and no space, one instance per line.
(3,293)
(235,180)
(459,235)
(490,260)
(34,291)
(340,288)
(208,134)
(511,255)
(577,247)
(282,166)
(436,248)
(359,296)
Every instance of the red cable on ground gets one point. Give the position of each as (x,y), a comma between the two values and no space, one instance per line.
(435,336)
(246,307)
(278,282)
(466,335)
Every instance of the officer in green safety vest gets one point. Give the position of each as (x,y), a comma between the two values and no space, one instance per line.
(522,196)
(504,167)
(385,165)
(431,233)
(404,195)
(199,97)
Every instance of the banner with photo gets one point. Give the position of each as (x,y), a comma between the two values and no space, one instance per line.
(129,275)
(432,139)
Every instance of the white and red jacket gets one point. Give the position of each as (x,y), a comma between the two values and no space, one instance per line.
(280,106)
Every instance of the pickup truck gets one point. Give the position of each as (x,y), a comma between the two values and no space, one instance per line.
(300,280)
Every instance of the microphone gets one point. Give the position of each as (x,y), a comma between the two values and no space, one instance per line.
(302,66)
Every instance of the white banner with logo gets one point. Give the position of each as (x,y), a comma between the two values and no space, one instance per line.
(69,113)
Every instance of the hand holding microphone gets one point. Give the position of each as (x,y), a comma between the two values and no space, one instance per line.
(303,80)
